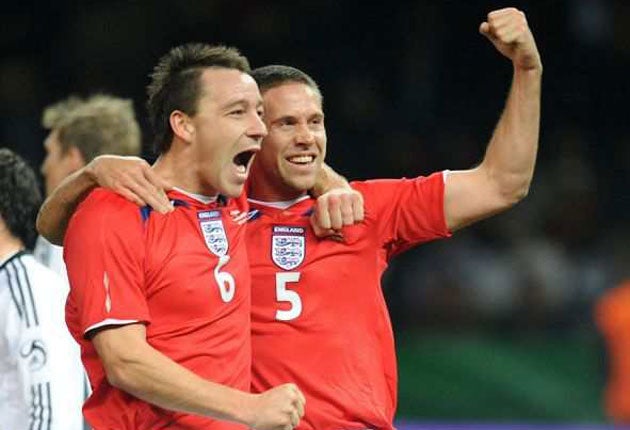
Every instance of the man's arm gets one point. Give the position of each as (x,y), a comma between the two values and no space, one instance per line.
(133,366)
(130,177)
(503,177)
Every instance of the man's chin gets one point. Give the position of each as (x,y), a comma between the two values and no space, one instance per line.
(301,184)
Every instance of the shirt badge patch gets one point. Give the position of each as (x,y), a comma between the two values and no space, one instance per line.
(288,246)
(213,232)
(34,352)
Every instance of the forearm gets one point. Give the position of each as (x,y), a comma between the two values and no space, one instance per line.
(156,379)
(511,154)
(55,213)
(327,179)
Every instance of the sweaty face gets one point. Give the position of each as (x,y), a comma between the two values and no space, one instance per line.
(57,164)
(293,152)
(227,130)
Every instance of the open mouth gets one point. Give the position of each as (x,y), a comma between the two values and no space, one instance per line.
(243,159)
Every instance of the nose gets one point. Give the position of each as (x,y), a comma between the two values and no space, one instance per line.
(304,135)
(257,128)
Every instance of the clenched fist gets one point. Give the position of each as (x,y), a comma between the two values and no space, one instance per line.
(279,408)
(509,32)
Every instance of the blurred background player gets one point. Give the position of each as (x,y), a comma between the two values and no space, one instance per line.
(319,316)
(80,130)
(41,384)
(612,316)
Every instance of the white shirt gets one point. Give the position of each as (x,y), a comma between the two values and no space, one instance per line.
(41,375)
(50,256)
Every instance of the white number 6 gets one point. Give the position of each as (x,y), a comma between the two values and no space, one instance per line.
(225,281)
(284,295)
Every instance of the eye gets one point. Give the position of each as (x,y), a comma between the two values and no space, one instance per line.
(237,112)
(286,122)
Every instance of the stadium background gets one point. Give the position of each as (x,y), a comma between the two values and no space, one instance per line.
(494,324)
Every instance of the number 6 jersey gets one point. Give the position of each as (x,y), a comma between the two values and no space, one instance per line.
(319,317)
(185,275)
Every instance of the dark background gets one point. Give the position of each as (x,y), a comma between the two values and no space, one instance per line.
(495,323)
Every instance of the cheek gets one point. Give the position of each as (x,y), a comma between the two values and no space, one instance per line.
(321,142)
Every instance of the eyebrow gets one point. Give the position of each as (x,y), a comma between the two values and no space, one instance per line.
(241,102)
(319,115)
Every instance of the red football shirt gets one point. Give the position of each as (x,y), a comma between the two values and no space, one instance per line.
(319,317)
(185,275)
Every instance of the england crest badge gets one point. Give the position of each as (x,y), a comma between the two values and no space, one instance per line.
(213,232)
(288,246)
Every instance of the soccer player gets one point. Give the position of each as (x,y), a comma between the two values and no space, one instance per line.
(319,317)
(161,303)
(318,313)
(80,130)
(38,357)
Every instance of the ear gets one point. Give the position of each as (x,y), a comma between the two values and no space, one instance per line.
(181,125)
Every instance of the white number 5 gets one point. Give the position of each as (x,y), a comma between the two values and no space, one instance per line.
(284,295)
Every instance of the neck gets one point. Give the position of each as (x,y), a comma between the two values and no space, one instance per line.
(263,193)
(179,167)
(9,245)
(260,187)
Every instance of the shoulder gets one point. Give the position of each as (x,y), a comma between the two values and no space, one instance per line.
(385,189)
(101,199)
(385,183)
(104,214)
(102,206)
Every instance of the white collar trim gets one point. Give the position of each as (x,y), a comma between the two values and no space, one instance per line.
(199,197)
(281,205)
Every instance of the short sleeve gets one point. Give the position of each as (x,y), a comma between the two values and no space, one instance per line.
(406,212)
(104,255)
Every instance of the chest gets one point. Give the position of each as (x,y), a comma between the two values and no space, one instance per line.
(196,261)
(295,274)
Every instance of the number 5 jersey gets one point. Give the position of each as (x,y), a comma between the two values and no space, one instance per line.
(319,318)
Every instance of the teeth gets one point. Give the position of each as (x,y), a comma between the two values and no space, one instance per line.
(301,159)
(241,169)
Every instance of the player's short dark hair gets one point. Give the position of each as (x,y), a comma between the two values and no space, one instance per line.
(20,197)
(175,83)
(274,75)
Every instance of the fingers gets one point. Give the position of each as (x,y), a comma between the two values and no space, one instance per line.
(146,192)
(339,208)
(357,207)
(334,212)
(301,402)
(132,197)
(132,178)
(508,25)
(321,214)
(509,32)
(156,196)
(484,29)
